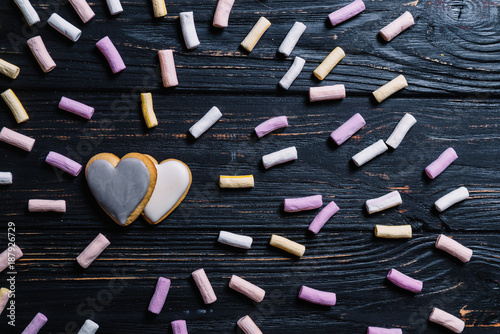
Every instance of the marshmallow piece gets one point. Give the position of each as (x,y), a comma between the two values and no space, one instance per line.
(370,153)
(235,240)
(11,252)
(250,290)
(255,34)
(441,163)
(292,73)
(451,198)
(160,295)
(167,65)
(287,245)
(454,248)
(115,7)
(397,26)
(203,284)
(383,202)
(36,324)
(159,8)
(16,139)
(43,205)
(148,111)
(64,27)
(390,88)
(400,131)
(92,251)
(76,108)
(404,281)
(446,320)
(64,163)
(270,125)
(322,217)
(179,327)
(303,203)
(83,10)
(221,15)
(393,231)
(41,54)
(247,325)
(346,12)
(292,38)
(15,106)
(4,298)
(206,122)
(112,55)
(8,69)
(349,128)
(279,157)
(5,178)
(189,30)
(241,181)
(317,296)
(380,330)
(28,11)
(329,63)
(323,93)
(89,327)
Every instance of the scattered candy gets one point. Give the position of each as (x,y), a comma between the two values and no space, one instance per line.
(189,30)
(206,122)
(36,324)
(322,217)
(76,108)
(384,202)
(247,325)
(346,12)
(89,327)
(92,251)
(270,125)
(397,26)
(370,153)
(16,139)
(112,55)
(43,205)
(8,69)
(380,330)
(255,34)
(317,296)
(329,63)
(167,65)
(390,88)
(159,8)
(203,284)
(241,181)
(287,245)
(441,163)
(292,73)
(5,178)
(446,320)
(160,295)
(393,231)
(235,240)
(148,111)
(303,203)
(323,93)
(83,10)
(64,27)
(400,131)
(279,157)
(41,54)
(404,281)
(115,7)
(292,38)
(15,106)
(12,251)
(349,128)
(179,327)
(29,12)
(64,163)
(250,290)
(4,298)
(221,15)
(451,198)
(454,248)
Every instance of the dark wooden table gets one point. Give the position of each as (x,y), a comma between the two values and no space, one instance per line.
(451,61)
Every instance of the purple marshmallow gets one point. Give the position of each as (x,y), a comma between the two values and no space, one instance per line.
(346,130)
(270,125)
(111,53)
(346,12)
(404,281)
(380,330)
(76,107)
(317,296)
(66,164)
(179,327)
(441,163)
(303,203)
(160,295)
(323,216)
(36,324)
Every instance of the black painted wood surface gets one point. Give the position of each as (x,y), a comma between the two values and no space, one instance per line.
(451,61)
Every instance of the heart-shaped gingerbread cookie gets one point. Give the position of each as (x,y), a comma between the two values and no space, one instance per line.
(172,185)
(122,187)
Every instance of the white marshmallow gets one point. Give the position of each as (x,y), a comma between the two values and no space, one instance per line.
(400,131)
(292,38)
(293,73)
(64,27)
(235,240)
(279,157)
(189,30)
(451,198)
(370,152)
(206,122)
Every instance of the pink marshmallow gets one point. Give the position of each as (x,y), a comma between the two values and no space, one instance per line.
(441,163)
(397,26)
(346,130)
(250,290)
(83,10)
(43,205)
(41,54)
(247,325)
(203,284)
(36,324)
(12,251)
(167,66)
(454,248)
(179,327)
(221,15)
(270,125)
(112,55)
(76,107)
(447,320)
(380,330)
(303,203)
(324,93)
(404,281)
(160,295)
(16,139)
(346,12)
(66,164)
(317,296)
(323,216)
(92,251)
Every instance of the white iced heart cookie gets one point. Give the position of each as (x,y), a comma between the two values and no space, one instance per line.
(172,185)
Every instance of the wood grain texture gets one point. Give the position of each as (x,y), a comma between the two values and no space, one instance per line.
(450,58)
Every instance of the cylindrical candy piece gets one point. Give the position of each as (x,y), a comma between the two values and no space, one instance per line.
(329,63)
(64,27)
(400,131)
(383,202)
(7,255)
(240,181)
(454,248)
(370,153)
(76,108)
(404,281)
(44,205)
(92,251)
(167,65)
(322,217)
(393,231)
(5,178)
(36,324)
(4,298)
(235,240)
(179,327)
(159,8)
(221,15)
(41,54)
(89,327)
(303,203)
(148,111)
(292,73)
(206,122)
(292,38)
(8,69)
(279,157)
(380,330)
(270,125)
(346,12)
(397,26)
(29,12)
(160,295)
(250,290)
(66,164)
(451,198)
(247,325)
(15,106)
(317,296)
(16,139)
(115,7)
(255,34)
(441,163)
(447,320)
(349,128)
(323,93)
(189,30)
(203,284)
(112,55)
(390,88)
(287,245)
(83,10)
